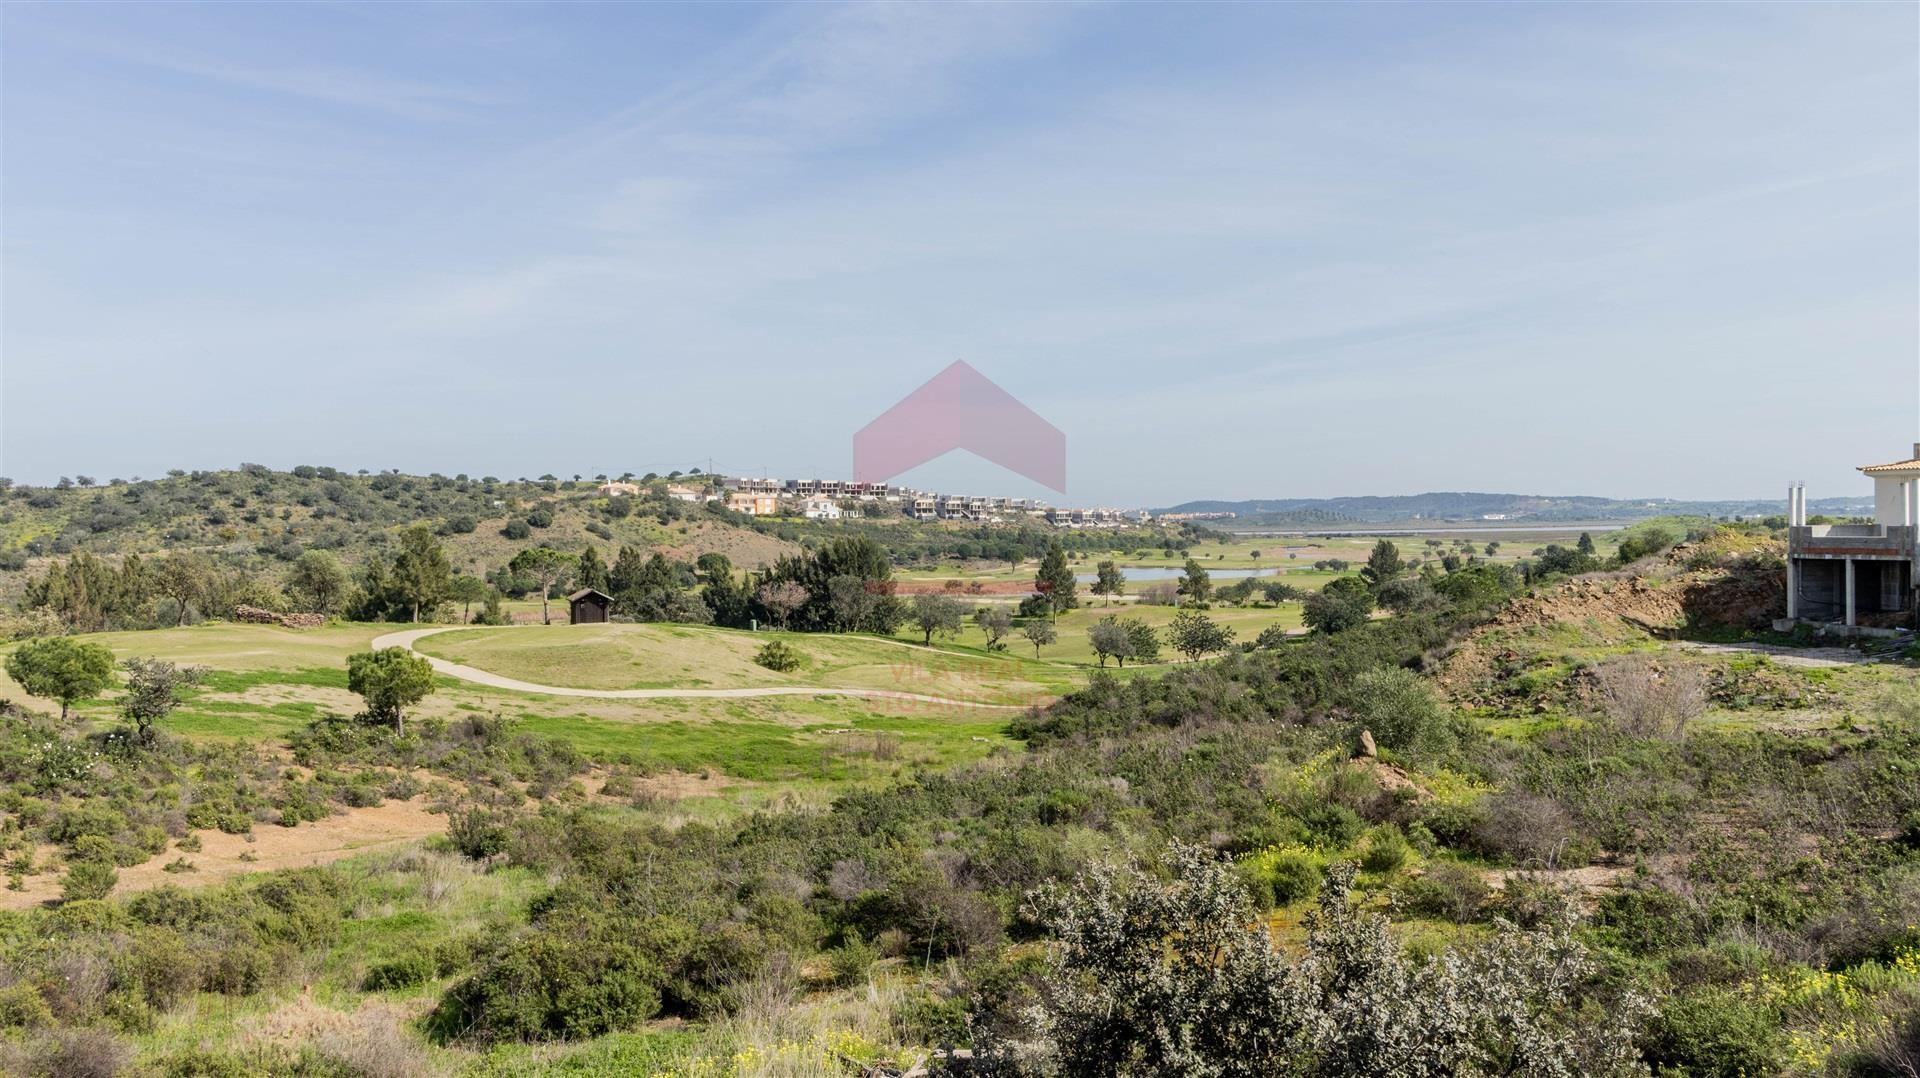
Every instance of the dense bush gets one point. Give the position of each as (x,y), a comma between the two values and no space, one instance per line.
(779,656)
(1175,976)
(1715,1033)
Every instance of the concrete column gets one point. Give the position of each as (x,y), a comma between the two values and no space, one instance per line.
(1793,589)
(1850,605)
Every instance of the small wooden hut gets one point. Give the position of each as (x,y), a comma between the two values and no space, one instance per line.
(588,606)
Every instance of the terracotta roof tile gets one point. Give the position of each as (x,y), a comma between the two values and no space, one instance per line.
(1896,466)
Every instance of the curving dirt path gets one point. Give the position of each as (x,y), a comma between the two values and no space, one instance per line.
(405,639)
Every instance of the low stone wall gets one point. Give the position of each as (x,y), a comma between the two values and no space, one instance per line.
(255,615)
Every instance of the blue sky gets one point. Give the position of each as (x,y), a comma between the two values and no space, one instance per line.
(1232,250)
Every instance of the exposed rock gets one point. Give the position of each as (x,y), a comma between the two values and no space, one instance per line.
(255,615)
(1367,747)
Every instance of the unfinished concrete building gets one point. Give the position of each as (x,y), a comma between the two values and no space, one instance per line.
(1858,576)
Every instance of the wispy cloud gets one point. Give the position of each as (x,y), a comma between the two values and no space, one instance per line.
(347,87)
(1473,231)
(811,78)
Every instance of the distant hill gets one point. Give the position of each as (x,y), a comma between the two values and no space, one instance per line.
(1467,506)
(256,518)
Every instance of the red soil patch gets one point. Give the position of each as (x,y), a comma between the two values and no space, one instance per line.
(976,587)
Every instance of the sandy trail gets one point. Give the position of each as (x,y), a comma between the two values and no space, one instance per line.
(1811,657)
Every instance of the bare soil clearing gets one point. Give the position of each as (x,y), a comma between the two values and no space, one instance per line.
(321,842)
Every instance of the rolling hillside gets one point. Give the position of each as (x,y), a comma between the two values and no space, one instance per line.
(258,517)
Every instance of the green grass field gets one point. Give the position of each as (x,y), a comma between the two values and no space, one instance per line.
(1073,645)
(623,656)
(1292,556)
(266,683)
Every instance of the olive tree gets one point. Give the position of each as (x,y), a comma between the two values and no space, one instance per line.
(62,668)
(942,614)
(153,691)
(1343,604)
(1039,634)
(1110,640)
(317,582)
(390,680)
(995,622)
(1194,635)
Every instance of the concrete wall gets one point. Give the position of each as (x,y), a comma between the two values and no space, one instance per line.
(1887,500)
(1893,589)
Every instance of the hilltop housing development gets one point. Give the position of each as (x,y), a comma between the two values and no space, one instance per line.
(830,499)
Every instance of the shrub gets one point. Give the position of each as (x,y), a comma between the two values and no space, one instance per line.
(1331,826)
(406,970)
(401,786)
(1524,828)
(221,816)
(165,968)
(88,879)
(579,974)
(1649,699)
(22,1007)
(852,959)
(1645,920)
(1894,1050)
(1714,1033)
(1399,709)
(779,656)
(1448,891)
(205,1063)
(1178,977)
(1281,877)
(1386,849)
(68,1053)
(478,833)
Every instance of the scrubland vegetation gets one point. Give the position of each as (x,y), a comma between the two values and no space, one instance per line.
(1483,814)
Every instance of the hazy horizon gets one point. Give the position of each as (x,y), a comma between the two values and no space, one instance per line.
(1233,252)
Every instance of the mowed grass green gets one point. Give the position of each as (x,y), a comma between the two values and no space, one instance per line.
(267,683)
(651,656)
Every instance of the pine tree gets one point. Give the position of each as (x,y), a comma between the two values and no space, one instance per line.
(1055,579)
(591,572)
